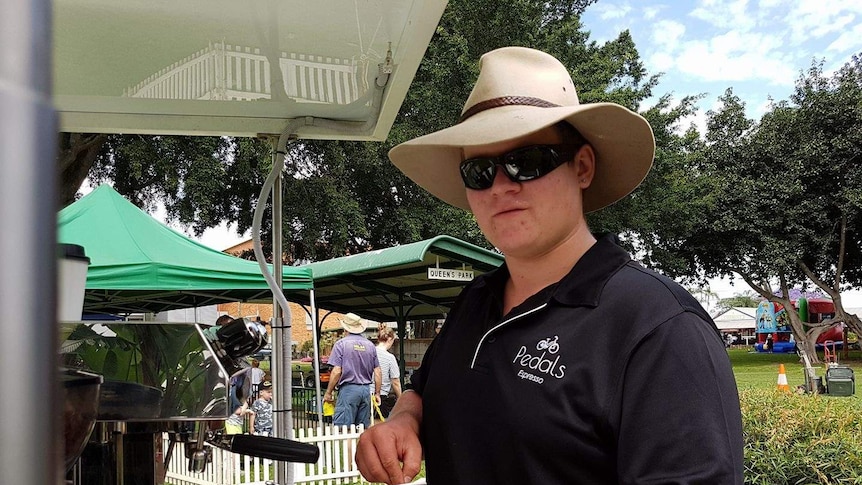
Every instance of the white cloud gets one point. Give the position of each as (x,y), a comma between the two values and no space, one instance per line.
(739,43)
(708,63)
(755,46)
(666,37)
(609,11)
(731,56)
(667,33)
(731,14)
(652,12)
(769,4)
(813,19)
(756,108)
(661,61)
(848,40)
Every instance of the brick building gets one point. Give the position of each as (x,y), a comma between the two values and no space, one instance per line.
(301,325)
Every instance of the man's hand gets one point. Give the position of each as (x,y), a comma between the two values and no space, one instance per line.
(390,452)
(334,377)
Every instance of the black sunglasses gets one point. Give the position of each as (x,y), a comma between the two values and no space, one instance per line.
(520,165)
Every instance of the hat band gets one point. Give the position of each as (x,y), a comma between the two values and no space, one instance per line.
(506,101)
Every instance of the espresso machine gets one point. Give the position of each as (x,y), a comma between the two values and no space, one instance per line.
(127,385)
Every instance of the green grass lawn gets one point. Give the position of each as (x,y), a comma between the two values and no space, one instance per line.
(760,370)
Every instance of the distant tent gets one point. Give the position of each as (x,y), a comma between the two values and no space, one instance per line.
(736,319)
(137,264)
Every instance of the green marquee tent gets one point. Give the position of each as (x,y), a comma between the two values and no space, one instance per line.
(137,264)
(393,284)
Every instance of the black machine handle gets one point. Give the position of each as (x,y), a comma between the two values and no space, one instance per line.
(235,340)
(278,449)
(241,337)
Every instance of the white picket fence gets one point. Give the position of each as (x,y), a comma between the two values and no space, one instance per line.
(222,71)
(336,464)
(337,447)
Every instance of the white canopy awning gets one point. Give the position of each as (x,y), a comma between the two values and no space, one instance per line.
(736,318)
(226,67)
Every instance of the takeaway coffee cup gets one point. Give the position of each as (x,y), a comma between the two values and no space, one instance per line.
(71,281)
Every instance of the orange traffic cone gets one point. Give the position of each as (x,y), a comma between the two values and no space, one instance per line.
(782,379)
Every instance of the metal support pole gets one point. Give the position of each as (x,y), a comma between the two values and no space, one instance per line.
(281,375)
(315,339)
(401,318)
(32,435)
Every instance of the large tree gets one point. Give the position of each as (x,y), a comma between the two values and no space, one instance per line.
(776,202)
(667,199)
(829,117)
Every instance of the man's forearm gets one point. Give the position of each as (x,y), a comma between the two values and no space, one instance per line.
(396,387)
(409,405)
(334,377)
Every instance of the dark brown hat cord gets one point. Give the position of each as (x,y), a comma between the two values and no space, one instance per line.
(506,101)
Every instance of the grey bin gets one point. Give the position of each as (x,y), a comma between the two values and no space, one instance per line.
(840,381)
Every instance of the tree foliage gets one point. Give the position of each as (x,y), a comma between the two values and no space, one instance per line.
(345,197)
(747,299)
(774,201)
(667,199)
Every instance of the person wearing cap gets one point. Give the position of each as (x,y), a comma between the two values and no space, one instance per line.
(355,368)
(262,411)
(571,363)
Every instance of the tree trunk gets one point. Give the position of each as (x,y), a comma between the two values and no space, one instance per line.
(851,320)
(806,340)
(808,344)
(76,155)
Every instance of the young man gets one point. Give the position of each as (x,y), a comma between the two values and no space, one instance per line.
(355,368)
(580,365)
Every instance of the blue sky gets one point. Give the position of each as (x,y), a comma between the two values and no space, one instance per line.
(758,48)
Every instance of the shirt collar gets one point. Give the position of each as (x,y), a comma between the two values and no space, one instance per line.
(583,285)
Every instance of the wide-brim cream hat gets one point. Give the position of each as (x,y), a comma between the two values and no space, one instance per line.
(353,323)
(521,91)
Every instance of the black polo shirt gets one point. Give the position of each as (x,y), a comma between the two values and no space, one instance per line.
(613,375)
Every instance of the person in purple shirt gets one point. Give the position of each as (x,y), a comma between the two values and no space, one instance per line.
(355,367)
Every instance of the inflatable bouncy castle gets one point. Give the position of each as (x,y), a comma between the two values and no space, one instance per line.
(773,325)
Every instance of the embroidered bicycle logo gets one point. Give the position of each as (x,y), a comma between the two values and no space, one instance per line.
(536,368)
(550,345)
